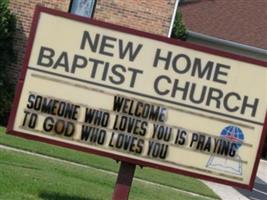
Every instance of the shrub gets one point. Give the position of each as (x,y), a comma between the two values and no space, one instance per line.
(7,30)
(179,29)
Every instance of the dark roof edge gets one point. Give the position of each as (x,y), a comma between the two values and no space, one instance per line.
(226,45)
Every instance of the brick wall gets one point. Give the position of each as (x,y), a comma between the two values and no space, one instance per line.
(152,16)
(24,9)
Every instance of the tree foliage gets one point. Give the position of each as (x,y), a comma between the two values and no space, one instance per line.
(7,30)
(179,29)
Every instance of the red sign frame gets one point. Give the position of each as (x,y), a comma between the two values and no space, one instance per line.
(11,131)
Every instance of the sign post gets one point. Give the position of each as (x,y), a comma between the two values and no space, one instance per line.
(141,98)
(124,181)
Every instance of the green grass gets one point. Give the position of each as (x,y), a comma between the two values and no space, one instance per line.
(165,178)
(28,177)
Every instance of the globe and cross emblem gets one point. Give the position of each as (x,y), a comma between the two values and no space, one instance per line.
(233,134)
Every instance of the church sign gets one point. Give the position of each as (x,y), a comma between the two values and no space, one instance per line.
(141,98)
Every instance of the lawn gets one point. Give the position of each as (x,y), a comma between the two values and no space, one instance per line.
(29,177)
(177,181)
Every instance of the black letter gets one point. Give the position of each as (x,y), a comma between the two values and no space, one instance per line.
(128,48)
(226,100)
(30,101)
(92,45)
(76,64)
(156,85)
(219,72)
(118,102)
(105,44)
(253,106)
(134,74)
(166,59)
(47,53)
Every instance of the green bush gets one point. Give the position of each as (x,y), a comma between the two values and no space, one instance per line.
(7,30)
(179,29)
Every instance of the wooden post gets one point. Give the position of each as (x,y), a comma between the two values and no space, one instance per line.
(124,181)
